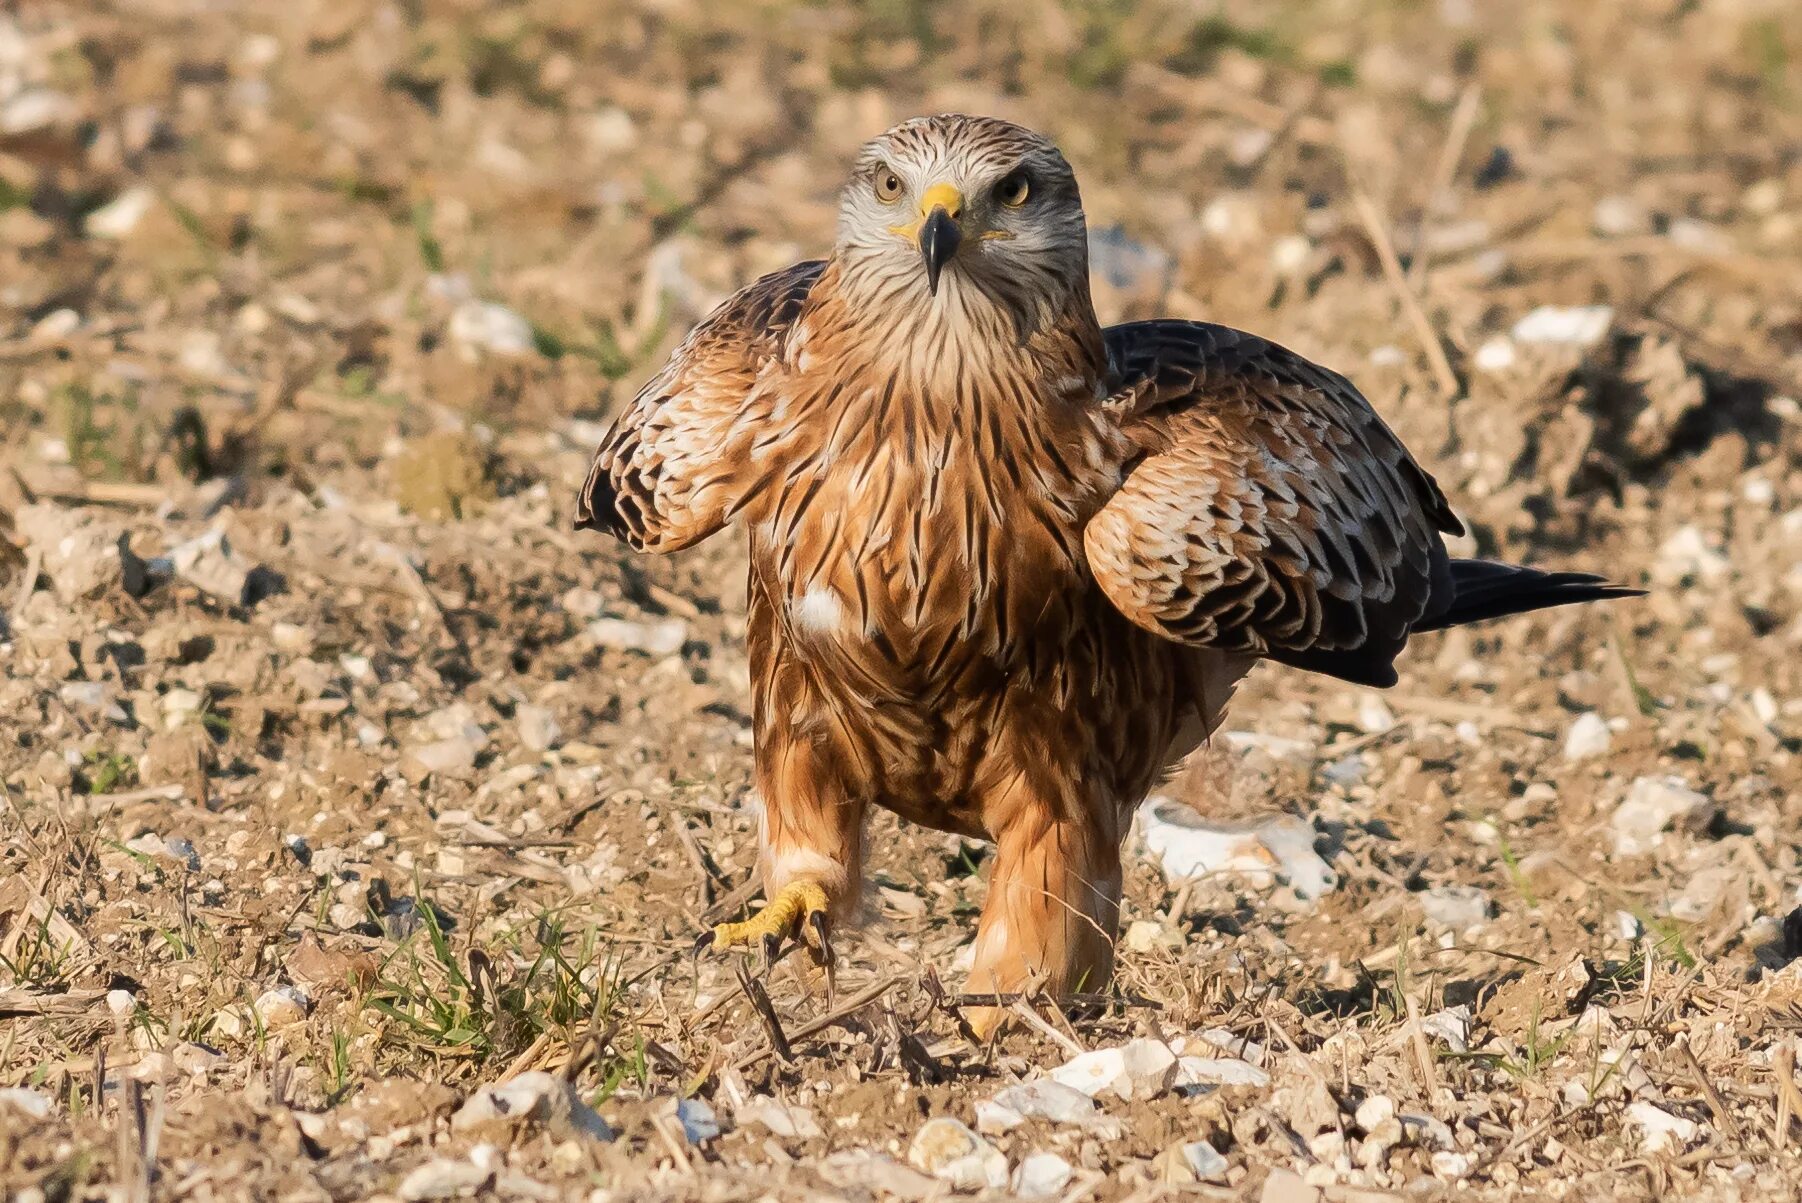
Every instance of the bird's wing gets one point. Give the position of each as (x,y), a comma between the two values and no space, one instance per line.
(678,463)
(1268,509)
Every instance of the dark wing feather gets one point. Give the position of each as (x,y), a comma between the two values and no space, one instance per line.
(1270,510)
(679,462)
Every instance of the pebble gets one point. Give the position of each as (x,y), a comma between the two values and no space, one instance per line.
(442,1178)
(1688,554)
(787,1120)
(1148,935)
(1569,326)
(652,638)
(1040,1175)
(1041,1098)
(1138,1069)
(1459,908)
(281,1006)
(116,219)
(1280,847)
(1205,1161)
(1654,805)
(1660,1130)
(1286,1186)
(1496,354)
(1218,1071)
(196,1059)
(1374,715)
(1618,216)
(534,1097)
(29,1102)
(486,326)
(210,564)
(699,1123)
(950,1151)
(1451,1026)
(1375,1111)
(538,727)
(93,695)
(1589,736)
(120,1003)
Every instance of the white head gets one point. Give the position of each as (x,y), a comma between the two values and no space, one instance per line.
(967,214)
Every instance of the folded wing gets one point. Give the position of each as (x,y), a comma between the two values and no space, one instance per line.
(682,458)
(1269,510)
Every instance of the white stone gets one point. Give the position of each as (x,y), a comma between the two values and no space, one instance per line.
(1588,736)
(949,1151)
(1148,935)
(1654,805)
(1617,216)
(1218,1071)
(1688,553)
(27,1101)
(699,1123)
(1138,1069)
(1660,1131)
(1450,1026)
(1041,1098)
(487,326)
(1447,1164)
(786,1120)
(1374,715)
(1205,1161)
(442,1178)
(652,638)
(538,727)
(120,216)
(120,1003)
(1496,354)
(1459,908)
(1559,325)
(534,1097)
(1427,1130)
(281,1007)
(1041,1175)
(1374,1111)
(1277,848)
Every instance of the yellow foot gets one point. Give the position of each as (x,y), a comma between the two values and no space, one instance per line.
(799,906)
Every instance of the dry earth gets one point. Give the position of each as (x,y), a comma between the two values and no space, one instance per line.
(340,779)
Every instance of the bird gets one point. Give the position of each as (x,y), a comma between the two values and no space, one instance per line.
(1007,566)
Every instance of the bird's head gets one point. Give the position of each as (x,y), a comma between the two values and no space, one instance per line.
(956,206)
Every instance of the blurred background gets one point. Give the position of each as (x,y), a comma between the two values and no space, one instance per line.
(311,313)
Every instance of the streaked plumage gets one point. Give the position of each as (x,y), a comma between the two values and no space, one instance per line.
(1006,567)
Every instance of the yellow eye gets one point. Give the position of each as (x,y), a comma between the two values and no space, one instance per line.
(888,185)
(1013,190)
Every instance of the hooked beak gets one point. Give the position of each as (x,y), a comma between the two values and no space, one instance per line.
(939,239)
(939,234)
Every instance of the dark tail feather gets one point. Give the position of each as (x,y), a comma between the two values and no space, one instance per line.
(1485,589)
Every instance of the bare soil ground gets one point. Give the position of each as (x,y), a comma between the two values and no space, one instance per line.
(339,779)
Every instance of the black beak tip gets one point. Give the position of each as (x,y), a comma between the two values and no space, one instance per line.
(939,239)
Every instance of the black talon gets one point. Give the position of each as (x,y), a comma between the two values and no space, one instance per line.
(823,940)
(772,944)
(703,942)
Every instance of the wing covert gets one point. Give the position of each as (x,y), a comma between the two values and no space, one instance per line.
(1269,511)
(677,463)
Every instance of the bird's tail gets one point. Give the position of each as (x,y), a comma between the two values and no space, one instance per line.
(1486,589)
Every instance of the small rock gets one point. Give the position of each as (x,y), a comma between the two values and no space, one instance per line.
(1204,1161)
(116,219)
(1450,1026)
(1147,935)
(442,1178)
(1589,736)
(33,110)
(1459,908)
(1138,1069)
(282,1006)
(1277,848)
(153,1067)
(787,1120)
(699,1124)
(26,1101)
(1041,1098)
(196,1059)
(1627,925)
(1496,355)
(538,728)
(120,1003)
(1374,715)
(949,1151)
(865,1171)
(1447,1164)
(1286,1186)
(1688,553)
(486,326)
(209,563)
(1570,326)
(652,638)
(1040,1175)
(1374,1112)
(1661,1131)
(1618,216)
(1427,1130)
(1218,1071)
(533,1097)
(1654,805)
(455,756)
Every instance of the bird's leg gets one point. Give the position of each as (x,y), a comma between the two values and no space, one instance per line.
(799,906)
(1052,910)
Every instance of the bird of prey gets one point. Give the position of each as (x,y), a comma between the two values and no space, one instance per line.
(1006,565)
